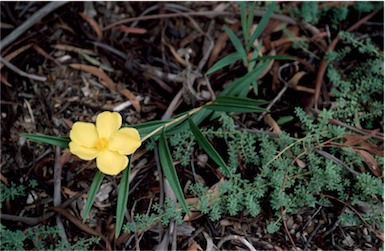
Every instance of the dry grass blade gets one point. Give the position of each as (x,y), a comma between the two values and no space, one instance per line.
(4,80)
(13,54)
(361,142)
(45,54)
(66,47)
(128,94)
(219,44)
(37,16)
(370,161)
(133,30)
(98,30)
(107,81)
(80,225)
(209,14)
(20,72)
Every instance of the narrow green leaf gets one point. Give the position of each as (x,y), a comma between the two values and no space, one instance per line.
(52,140)
(254,84)
(124,188)
(234,108)
(90,59)
(208,148)
(255,54)
(169,170)
(148,127)
(96,62)
(94,188)
(236,42)
(197,118)
(240,100)
(272,57)
(262,24)
(245,27)
(240,87)
(284,120)
(250,19)
(229,59)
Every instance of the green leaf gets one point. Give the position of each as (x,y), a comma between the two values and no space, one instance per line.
(90,59)
(236,104)
(254,84)
(236,42)
(52,140)
(124,188)
(245,26)
(254,55)
(240,87)
(250,19)
(208,148)
(148,127)
(94,61)
(234,108)
(262,24)
(272,57)
(240,100)
(94,188)
(229,59)
(197,118)
(284,120)
(169,171)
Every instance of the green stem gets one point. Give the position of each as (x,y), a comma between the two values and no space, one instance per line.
(174,121)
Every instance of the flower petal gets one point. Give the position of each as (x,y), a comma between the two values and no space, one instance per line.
(108,123)
(125,141)
(84,134)
(111,163)
(82,152)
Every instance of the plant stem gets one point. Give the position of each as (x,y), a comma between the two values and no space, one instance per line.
(174,121)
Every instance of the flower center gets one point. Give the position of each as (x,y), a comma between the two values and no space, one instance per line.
(102,144)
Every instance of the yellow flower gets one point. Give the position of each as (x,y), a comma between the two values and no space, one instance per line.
(105,142)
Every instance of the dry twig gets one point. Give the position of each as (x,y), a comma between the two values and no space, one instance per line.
(20,72)
(30,22)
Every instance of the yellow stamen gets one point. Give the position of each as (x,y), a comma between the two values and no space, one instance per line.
(102,144)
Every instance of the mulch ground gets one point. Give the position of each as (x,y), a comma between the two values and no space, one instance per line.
(86,57)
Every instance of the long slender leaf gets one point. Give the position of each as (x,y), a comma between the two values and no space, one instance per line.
(229,59)
(197,118)
(244,16)
(94,188)
(240,100)
(169,170)
(124,188)
(262,24)
(236,42)
(240,87)
(278,57)
(208,148)
(234,108)
(148,127)
(250,19)
(255,54)
(254,84)
(52,140)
